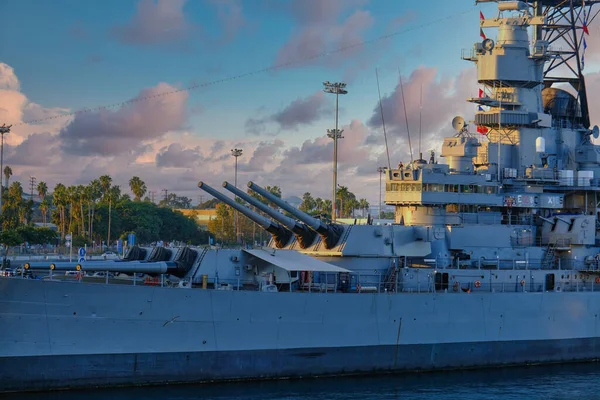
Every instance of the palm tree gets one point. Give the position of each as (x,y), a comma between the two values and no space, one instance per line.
(138,187)
(42,189)
(81,198)
(14,212)
(59,198)
(93,193)
(341,195)
(105,185)
(364,206)
(71,197)
(326,206)
(44,207)
(7,174)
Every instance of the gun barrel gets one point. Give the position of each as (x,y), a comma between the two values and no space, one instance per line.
(280,234)
(160,267)
(313,223)
(288,222)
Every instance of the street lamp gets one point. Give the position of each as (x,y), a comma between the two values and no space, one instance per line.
(337,88)
(3,129)
(236,153)
(381,170)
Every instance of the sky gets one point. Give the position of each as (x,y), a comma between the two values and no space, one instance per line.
(254,70)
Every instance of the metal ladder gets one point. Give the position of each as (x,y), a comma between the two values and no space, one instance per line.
(198,264)
(390,279)
(549,256)
(345,237)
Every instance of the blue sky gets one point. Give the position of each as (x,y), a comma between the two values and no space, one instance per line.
(71,54)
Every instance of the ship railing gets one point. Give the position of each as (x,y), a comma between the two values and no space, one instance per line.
(483,218)
(524,263)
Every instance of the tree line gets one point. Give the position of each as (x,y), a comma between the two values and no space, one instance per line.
(97,213)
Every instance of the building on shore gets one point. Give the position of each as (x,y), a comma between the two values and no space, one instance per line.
(202,217)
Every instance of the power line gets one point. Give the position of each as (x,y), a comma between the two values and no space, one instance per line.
(255,72)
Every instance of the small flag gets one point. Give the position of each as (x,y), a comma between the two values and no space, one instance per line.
(584,27)
(583,54)
(482,129)
(482,34)
(479,108)
(481,17)
(480,92)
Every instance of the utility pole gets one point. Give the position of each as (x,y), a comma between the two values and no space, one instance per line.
(3,129)
(32,185)
(152,193)
(166,196)
(337,88)
(381,170)
(236,153)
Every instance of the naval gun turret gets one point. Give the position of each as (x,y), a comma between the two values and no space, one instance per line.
(330,233)
(304,234)
(281,235)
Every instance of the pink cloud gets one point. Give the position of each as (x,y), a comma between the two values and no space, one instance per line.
(318,30)
(128,129)
(301,111)
(157,22)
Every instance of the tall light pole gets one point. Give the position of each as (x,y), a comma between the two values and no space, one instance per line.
(3,129)
(236,153)
(381,170)
(337,88)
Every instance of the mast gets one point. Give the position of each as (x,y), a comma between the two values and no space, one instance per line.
(568,22)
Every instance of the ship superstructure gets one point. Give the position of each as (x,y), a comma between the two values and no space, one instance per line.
(492,259)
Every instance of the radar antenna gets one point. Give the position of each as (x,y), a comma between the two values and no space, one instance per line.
(460,126)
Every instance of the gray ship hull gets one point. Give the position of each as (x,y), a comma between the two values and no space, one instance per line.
(67,335)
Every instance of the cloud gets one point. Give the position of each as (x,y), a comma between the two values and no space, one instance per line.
(37,150)
(319,30)
(263,156)
(16,108)
(177,156)
(8,79)
(592,83)
(156,22)
(231,17)
(302,111)
(443,99)
(163,22)
(128,129)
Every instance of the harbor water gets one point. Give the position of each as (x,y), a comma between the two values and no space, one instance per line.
(568,381)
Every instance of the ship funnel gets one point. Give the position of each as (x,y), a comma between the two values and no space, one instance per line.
(304,235)
(330,233)
(281,235)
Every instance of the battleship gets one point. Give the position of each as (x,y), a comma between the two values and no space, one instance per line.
(493,259)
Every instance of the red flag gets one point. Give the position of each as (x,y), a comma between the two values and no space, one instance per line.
(585,28)
(480,93)
(482,34)
(481,17)
(482,129)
